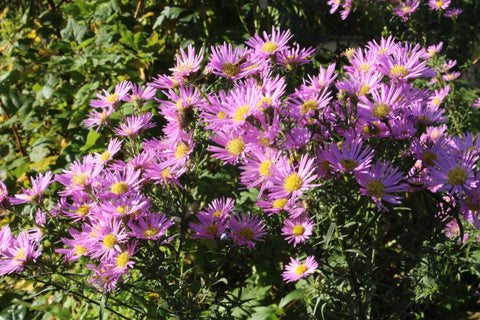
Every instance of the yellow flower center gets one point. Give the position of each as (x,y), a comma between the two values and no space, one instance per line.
(246,233)
(110,241)
(406,9)
(301,269)
(221,115)
(264,100)
(439,3)
(429,157)
(212,229)
(380,110)
(105,156)
(292,183)
(364,67)
(80,179)
(309,105)
(298,230)
(437,101)
(264,141)
(241,113)
(376,189)
(349,52)
(264,166)
(83,210)
(79,250)
(399,70)
(150,232)
(112,98)
(457,176)
(364,90)
(217,214)
(348,164)
(20,255)
(280,203)
(235,146)
(231,69)
(181,151)
(165,173)
(269,47)
(121,209)
(119,187)
(122,259)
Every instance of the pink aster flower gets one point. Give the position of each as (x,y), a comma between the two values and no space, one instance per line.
(289,181)
(135,125)
(24,249)
(165,82)
(451,76)
(152,226)
(187,63)
(6,239)
(439,4)
(297,230)
(103,278)
(406,9)
(122,262)
(296,270)
(141,94)
(108,239)
(379,181)
(39,185)
(294,57)
(438,97)
(270,43)
(404,64)
(112,99)
(120,183)
(234,146)
(113,147)
(75,249)
(220,208)
(433,50)
(96,118)
(246,229)
(4,199)
(476,103)
(228,62)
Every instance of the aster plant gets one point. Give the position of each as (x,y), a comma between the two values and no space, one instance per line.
(225,174)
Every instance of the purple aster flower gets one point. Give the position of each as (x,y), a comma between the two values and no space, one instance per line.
(75,250)
(141,94)
(234,146)
(453,13)
(6,239)
(246,229)
(4,199)
(379,181)
(296,270)
(209,227)
(351,157)
(294,57)
(456,173)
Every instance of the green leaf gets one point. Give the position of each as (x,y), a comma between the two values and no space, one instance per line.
(91,140)
(294,295)
(74,31)
(38,153)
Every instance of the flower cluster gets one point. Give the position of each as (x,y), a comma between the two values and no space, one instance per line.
(403,9)
(286,143)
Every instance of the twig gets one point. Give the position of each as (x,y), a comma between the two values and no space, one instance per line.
(14,129)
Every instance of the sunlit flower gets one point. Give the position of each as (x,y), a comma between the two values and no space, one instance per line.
(296,270)
(297,230)
(39,185)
